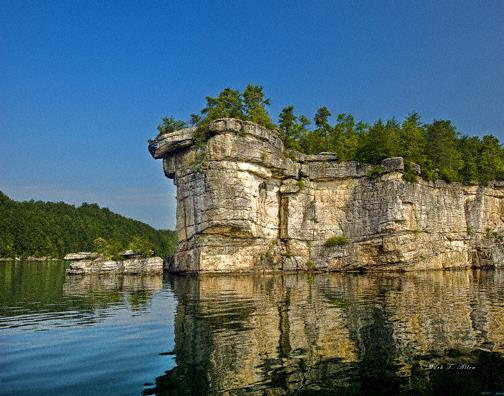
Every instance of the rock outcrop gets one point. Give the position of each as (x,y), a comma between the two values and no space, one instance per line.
(244,203)
(81,256)
(137,265)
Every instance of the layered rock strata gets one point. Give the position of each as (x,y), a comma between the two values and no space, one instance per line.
(244,203)
(138,266)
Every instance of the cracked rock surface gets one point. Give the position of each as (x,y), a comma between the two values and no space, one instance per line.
(246,204)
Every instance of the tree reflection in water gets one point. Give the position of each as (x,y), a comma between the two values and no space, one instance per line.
(423,333)
(40,296)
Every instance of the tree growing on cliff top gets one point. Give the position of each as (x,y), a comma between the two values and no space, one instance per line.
(437,147)
(169,125)
(293,128)
(254,106)
(249,105)
(228,104)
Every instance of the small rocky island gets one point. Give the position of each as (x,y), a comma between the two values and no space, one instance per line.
(244,203)
(83,263)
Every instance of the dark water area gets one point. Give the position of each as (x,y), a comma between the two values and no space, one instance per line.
(424,333)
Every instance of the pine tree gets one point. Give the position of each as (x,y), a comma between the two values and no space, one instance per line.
(254,106)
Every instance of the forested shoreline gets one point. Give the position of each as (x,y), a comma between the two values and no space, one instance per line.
(53,229)
(440,150)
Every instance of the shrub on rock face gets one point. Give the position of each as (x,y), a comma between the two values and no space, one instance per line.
(375,172)
(337,241)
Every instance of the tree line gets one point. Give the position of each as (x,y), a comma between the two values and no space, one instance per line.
(36,228)
(440,150)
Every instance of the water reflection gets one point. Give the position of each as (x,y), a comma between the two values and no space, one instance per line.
(429,333)
(81,335)
(38,295)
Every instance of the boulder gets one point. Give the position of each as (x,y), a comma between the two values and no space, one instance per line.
(80,256)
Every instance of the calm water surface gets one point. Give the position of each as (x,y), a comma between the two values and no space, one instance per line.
(424,333)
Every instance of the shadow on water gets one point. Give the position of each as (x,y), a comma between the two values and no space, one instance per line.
(434,333)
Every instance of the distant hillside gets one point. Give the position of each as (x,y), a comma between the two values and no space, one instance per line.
(36,228)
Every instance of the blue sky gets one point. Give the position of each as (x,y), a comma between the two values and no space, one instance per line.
(84,83)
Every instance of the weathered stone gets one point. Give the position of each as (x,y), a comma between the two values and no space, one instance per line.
(170,142)
(80,256)
(334,170)
(151,265)
(416,169)
(290,186)
(245,204)
(320,157)
(394,164)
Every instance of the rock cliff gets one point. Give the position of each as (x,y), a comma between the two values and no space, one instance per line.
(244,203)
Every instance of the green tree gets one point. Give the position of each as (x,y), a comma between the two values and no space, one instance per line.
(254,106)
(108,249)
(344,138)
(491,162)
(169,125)
(228,104)
(412,140)
(321,133)
(470,148)
(141,246)
(382,142)
(293,128)
(54,229)
(442,149)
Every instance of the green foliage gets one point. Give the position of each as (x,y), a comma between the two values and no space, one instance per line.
(169,125)
(493,234)
(491,160)
(141,246)
(408,174)
(254,106)
(108,249)
(438,148)
(336,241)
(442,150)
(38,228)
(375,172)
(228,104)
(292,128)
(409,177)
(301,184)
(251,105)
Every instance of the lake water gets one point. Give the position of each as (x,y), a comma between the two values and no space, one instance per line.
(422,333)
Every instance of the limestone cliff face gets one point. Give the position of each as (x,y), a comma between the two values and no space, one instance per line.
(244,204)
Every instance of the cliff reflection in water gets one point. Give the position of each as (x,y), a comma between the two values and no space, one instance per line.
(434,332)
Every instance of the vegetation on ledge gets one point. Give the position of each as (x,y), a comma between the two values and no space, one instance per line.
(37,228)
(441,151)
(336,241)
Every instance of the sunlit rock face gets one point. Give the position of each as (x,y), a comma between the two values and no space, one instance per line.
(244,204)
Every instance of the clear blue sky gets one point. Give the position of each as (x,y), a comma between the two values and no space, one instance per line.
(83,84)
